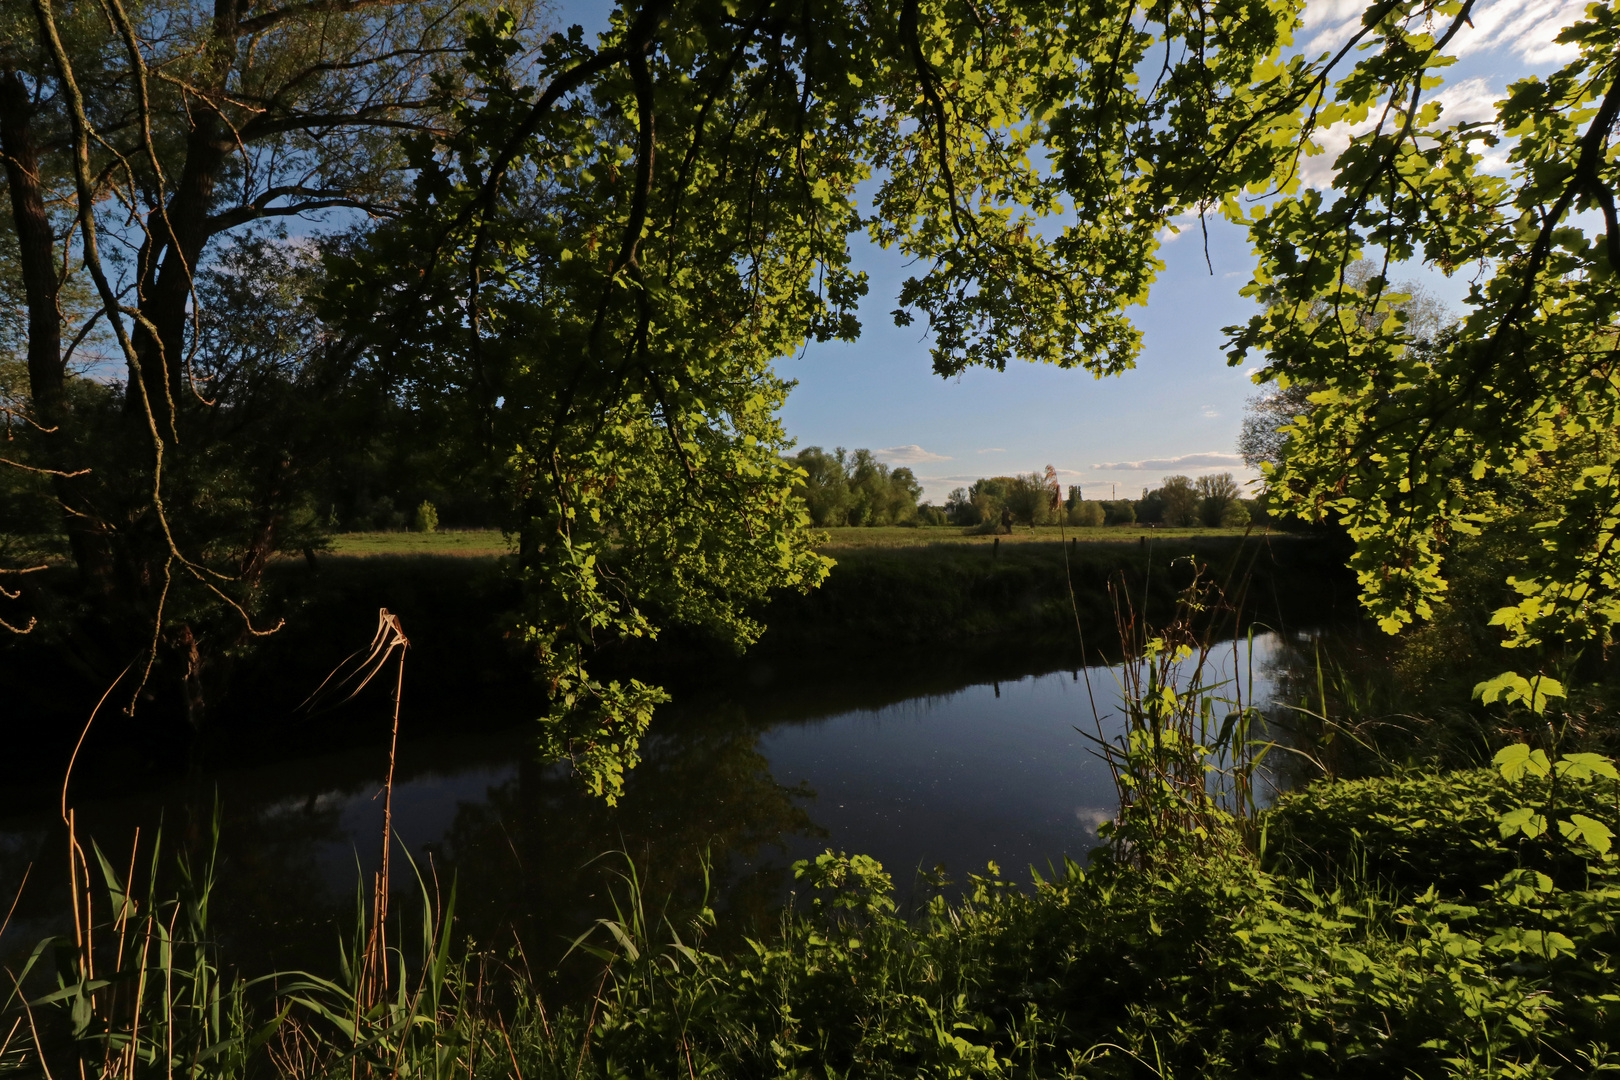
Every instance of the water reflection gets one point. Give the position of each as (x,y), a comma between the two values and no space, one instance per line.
(960,773)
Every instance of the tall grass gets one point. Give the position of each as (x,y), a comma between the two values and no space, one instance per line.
(1184,762)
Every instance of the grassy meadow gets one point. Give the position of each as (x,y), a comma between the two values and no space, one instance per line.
(476,542)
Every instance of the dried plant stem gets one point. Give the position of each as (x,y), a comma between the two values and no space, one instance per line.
(390,636)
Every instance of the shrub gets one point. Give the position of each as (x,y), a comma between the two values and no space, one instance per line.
(427,518)
(1234,516)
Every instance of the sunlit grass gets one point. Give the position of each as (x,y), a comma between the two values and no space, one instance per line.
(443,542)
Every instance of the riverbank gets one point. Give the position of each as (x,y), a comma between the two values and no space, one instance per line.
(878,604)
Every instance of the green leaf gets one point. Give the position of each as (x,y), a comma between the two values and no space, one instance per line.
(1589,831)
(1517,760)
(1587,766)
(1523,820)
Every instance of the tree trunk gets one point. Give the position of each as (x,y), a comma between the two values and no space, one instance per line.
(47,372)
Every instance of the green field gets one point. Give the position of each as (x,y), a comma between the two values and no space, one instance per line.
(493,542)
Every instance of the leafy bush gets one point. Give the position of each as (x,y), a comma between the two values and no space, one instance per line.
(1209,966)
(427,518)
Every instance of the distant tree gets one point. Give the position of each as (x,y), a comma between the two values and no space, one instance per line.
(989,495)
(929,514)
(1075,497)
(1029,498)
(1180,501)
(961,509)
(1217,492)
(825,487)
(855,489)
(1086,515)
(904,491)
(1150,507)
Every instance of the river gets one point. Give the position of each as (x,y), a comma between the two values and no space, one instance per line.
(925,769)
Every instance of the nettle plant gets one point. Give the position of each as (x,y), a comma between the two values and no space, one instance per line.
(1540,777)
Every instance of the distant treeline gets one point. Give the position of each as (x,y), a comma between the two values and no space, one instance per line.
(843,488)
(1038,499)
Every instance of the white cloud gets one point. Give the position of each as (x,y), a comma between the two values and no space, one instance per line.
(1525,28)
(1210,412)
(1467,102)
(1176,226)
(992,450)
(910,454)
(1185,461)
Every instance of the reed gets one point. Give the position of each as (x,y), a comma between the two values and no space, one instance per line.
(1184,762)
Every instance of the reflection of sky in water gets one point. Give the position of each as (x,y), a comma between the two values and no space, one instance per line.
(993,772)
(996,771)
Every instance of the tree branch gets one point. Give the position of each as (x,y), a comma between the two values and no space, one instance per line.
(260,23)
(925,76)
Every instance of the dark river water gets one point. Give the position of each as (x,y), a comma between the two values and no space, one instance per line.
(958,774)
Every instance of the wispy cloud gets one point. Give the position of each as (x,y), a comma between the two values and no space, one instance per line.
(1470,101)
(1525,28)
(1209,412)
(992,450)
(909,454)
(1185,461)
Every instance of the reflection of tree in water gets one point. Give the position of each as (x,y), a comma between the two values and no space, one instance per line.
(277,908)
(271,904)
(527,859)
(1344,674)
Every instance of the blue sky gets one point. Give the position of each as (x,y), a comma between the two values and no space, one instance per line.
(1179,411)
